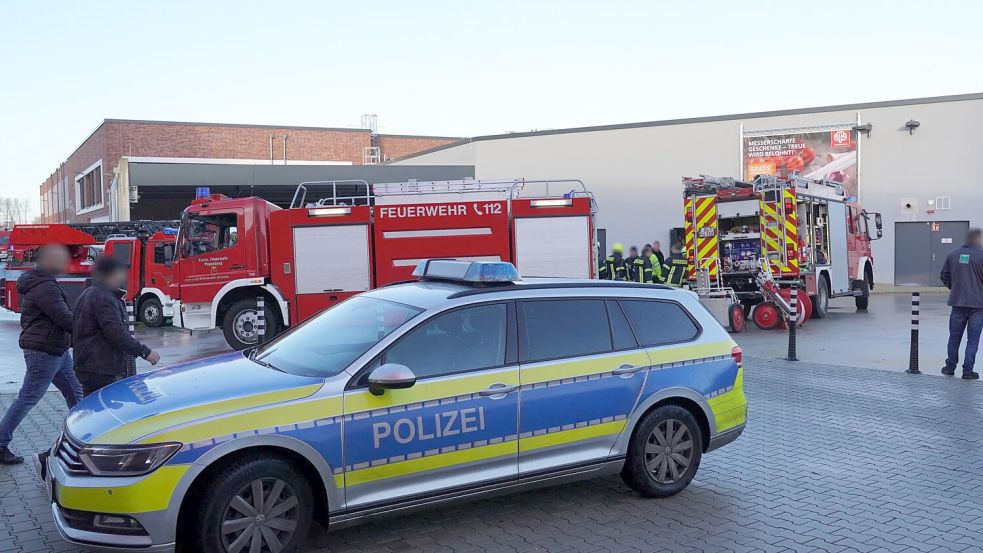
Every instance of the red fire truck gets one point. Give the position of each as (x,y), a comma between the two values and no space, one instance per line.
(310,256)
(151,273)
(22,249)
(802,231)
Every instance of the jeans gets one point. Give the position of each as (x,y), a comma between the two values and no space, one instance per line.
(43,370)
(969,320)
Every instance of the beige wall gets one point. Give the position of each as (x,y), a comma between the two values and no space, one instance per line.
(635,172)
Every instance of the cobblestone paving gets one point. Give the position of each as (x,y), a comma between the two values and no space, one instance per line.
(834,459)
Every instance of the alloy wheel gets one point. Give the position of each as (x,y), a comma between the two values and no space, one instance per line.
(668,451)
(261,518)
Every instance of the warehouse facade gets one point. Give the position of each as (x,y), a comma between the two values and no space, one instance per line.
(919,162)
(81,190)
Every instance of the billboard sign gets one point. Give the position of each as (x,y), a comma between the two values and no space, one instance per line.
(817,154)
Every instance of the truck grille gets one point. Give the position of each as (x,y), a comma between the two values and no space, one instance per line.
(68,455)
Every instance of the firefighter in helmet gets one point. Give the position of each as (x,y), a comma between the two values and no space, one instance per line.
(613,267)
(678,266)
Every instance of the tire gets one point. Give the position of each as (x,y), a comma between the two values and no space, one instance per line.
(239,324)
(735,318)
(820,302)
(221,527)
(864,298)
(647,469)
(151,312)
(766,315)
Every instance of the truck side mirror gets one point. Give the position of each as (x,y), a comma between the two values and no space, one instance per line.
(879,224)
(168,254)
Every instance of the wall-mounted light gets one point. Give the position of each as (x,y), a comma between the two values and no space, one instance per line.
(911,125)
(865,128)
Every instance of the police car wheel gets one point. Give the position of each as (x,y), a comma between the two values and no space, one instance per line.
(665,452)
(259,503)
(151,312)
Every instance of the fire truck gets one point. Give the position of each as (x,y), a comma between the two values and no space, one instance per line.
(23,245)
(303,259)
(151,274)
(802,232)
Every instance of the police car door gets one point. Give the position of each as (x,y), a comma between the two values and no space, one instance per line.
(457,426)
(581,371)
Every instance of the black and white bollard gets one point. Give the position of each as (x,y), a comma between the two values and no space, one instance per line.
(260,320)
(793,321)
(913,359)
(131,361)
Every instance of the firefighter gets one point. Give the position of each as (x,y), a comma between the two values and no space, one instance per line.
(614,265)
(640,267)
(658,269)
(678,267)
(657,252)
(630,264)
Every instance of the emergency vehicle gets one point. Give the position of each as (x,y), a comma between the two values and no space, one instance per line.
(150,258)
(23,245)
(804,233)
(466,383)
(312,255)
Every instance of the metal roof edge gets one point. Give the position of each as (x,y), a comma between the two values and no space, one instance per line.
(235,125)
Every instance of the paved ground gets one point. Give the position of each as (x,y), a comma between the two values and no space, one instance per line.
(834,459)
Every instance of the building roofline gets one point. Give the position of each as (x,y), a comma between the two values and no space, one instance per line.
(708,119)
(390,135)
(237,125)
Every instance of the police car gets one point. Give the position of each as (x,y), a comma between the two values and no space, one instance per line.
(466,382)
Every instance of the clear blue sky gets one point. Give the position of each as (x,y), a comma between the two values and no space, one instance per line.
(458,68)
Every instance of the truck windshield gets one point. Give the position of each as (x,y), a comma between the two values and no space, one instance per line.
(325,345)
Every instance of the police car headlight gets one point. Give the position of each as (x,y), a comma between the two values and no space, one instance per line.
(126,460)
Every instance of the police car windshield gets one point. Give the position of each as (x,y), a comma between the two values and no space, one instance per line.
(326,344)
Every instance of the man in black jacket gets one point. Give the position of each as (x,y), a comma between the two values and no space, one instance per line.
(962,274)
(100,334)
(46,325)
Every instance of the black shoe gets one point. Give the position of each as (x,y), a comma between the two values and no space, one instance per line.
(7,457)
(949,372)
(971,376)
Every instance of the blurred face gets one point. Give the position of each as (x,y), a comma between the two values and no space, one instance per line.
(53,259)
(656,245)
(633,252)
(115,279)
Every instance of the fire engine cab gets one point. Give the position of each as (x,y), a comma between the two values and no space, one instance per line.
(303,259)
(148,285)
(803,233)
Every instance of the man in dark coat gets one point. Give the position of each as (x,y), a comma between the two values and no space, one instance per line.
(100,334)
(962,274)
(46,326)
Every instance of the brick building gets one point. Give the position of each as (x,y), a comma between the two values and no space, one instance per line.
(79,190)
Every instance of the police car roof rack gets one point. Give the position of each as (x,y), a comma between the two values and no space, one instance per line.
(529,285)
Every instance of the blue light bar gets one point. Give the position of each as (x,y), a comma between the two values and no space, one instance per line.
(466,271)
(202,192)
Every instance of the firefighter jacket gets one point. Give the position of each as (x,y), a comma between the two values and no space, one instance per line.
(678,267)
(614,268)
(641,269)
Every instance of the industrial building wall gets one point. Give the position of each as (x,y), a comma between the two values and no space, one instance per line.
(635,170)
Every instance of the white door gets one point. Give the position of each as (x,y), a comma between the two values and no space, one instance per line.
(838,253)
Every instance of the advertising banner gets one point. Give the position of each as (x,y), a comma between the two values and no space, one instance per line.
(815,154)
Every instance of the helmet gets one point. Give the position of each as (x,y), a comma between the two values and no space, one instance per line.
(618,247)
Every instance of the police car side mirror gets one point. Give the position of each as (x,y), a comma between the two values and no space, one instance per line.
(391,376)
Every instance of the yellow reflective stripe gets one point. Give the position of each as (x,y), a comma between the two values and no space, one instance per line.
(137,429)
(152,493)
(268,417)
(568,436)
(432,462)
(427,390)
(671,354)
(558,370)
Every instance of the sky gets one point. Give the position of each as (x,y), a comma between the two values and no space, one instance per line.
(456,68)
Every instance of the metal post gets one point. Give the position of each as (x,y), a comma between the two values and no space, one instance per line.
(131,361)
(793,321)
(260,320)
(913,360)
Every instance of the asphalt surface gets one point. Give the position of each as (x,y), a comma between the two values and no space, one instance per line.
(834,459)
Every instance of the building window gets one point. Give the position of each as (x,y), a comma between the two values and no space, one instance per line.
(89,189)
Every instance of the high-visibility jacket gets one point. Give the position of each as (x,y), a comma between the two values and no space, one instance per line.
(658,270)
(613,268)
(678,267)
(641,269)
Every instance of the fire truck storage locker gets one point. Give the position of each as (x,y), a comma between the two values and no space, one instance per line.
(543,243)
(326,257)
(839,272)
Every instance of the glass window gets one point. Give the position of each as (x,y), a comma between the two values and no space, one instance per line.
(462,340)
(555,329)
(209,233)
(326,344)
(620,329)
(659,322)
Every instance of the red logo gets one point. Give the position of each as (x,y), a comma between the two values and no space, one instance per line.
(840,139)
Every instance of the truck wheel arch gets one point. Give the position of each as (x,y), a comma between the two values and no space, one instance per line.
(248,288)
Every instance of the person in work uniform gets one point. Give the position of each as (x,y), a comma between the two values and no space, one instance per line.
(658,270)
(678,266)
(613,267)
(631,269)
